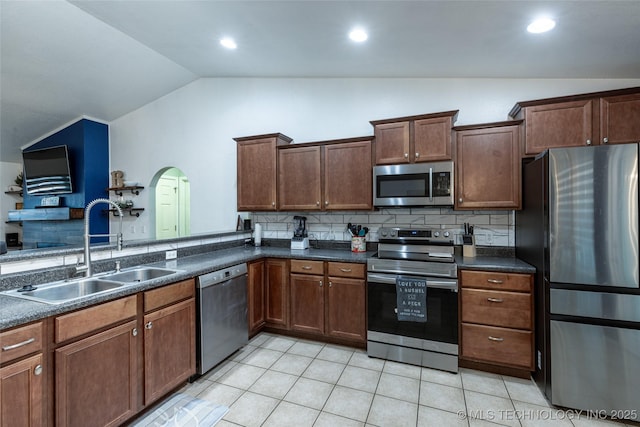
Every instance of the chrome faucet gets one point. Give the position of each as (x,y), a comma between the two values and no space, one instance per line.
(86,268)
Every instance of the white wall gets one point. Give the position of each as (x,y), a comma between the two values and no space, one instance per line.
(8,173)
(192,128)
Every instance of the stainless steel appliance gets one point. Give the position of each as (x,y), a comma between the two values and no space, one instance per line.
(222,315)
(419,184)
(414,254)
(579,228)
(300,239)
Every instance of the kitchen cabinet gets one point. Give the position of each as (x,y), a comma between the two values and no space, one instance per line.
(610,117)
(22,399)
(276,293)
(329,175)
(169,338)
(488,166)
(497,318)
(256,297)
(257,166)
(307,296)
(414,139)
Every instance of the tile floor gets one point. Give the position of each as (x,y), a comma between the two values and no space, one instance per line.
(281,381)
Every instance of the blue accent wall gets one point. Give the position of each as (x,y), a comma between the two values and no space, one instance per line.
(88,146)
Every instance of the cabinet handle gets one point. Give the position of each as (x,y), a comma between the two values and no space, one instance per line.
(134,332)
(346,270)
(18,345)
(605,140)
(588,142)
(417,155)
(37,370)
(148,325)
(406,155)
(306,267)
(495,281)
(495,300)
(497,339)
(460,200)
(320,283)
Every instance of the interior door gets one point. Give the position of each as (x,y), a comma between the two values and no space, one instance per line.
(167,207)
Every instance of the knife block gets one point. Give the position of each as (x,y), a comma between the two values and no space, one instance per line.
(468,245)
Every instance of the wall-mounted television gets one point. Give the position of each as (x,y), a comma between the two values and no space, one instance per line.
(46,171)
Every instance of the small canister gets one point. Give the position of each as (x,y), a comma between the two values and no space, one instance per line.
(358,244)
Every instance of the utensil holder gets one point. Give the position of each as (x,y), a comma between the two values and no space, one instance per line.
(468,246)
(358,244)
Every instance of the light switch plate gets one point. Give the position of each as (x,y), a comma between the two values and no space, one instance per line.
(171,254)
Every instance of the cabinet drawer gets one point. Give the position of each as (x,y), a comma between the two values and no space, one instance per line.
(496,280)
(91,319)
(497,345)
(497,308)
(345,269)
(20,341)
(169,294)
(307,267)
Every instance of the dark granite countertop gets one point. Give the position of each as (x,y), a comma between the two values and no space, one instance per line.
(15,311)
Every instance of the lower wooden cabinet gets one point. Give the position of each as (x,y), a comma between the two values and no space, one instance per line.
(277,293)
(346,311)
(255,297)
(21,393)
(307,303)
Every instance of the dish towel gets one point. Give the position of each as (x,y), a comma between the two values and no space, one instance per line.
(411,299)
(182,410)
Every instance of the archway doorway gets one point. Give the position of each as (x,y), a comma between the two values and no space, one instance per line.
(172,203)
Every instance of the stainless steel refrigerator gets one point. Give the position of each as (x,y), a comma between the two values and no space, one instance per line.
(579,228)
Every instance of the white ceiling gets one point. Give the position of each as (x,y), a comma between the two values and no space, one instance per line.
(103,59)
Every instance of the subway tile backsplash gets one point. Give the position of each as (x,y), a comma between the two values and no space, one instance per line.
(492,228)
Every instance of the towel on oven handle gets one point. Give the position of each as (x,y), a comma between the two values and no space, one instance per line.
(411,299)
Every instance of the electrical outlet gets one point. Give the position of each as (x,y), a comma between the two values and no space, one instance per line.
(171,254)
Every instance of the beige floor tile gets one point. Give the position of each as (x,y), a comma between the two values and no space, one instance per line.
(279,344)
(262,357)
(359,378)
(349,403)
(221,394)
(484,382)
(274,384)
(224,423)
(473,422)
(398,387)
(402,369)
(251,410)
(289,414)
(311,393)
(260,339)
(534,415)
(323,370)
(391,412)
(194,389)
(335,354)
(242,377)
(242,353)
(303,348)
(292,364)
(361,360)
(524,391)
(584,420)
(326,419)
(428,417)
(441,377)
(218,371)
(490,408)
(442,397)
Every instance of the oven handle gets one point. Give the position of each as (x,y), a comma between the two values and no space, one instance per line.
(386,279)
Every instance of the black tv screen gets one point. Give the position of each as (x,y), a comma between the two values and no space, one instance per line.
(46,171)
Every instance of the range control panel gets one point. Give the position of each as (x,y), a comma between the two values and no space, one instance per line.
(416,234)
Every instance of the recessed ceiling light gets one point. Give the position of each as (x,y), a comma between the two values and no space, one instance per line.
(541,25)
(358,35)
(228,42)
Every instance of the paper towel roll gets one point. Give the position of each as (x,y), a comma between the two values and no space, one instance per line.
(257,234)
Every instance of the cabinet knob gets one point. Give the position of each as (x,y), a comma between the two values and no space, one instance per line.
(330,284)
(37,370)
(148,325)
(460,200)
(273,203)
(406,155)
(588,142)
(417,155)
(605,140)
(320,283)
(134,332)
(318,203)
(326,203)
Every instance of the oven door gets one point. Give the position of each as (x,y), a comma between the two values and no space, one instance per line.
(442,310)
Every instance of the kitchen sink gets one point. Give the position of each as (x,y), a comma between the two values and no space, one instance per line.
(139,274)
(60,292)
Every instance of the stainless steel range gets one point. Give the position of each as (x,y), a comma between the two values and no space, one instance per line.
(428,336)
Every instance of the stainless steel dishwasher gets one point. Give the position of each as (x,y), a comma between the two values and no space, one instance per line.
(222,315)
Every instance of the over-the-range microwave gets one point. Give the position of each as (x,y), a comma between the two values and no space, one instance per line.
(418,184)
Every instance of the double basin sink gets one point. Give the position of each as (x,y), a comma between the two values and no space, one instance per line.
(69,290)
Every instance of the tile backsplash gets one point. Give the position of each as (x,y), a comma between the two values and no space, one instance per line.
(492,228)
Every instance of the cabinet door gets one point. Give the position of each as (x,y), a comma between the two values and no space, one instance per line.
(277,293)
(563,124)
(346,315)
(488,168)
(97,379)
(348,176)
(169,348)
(620,119)
(257,175)
(299,178)
(21,393)
(392,143)
(255,297)
(432,139)
(307,303)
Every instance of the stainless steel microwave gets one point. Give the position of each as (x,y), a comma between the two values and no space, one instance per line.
(419,184)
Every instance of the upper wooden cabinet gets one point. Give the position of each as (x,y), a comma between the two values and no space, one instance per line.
(488,166)
(257,169)
(329,175)
(414,139)
(611,117)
